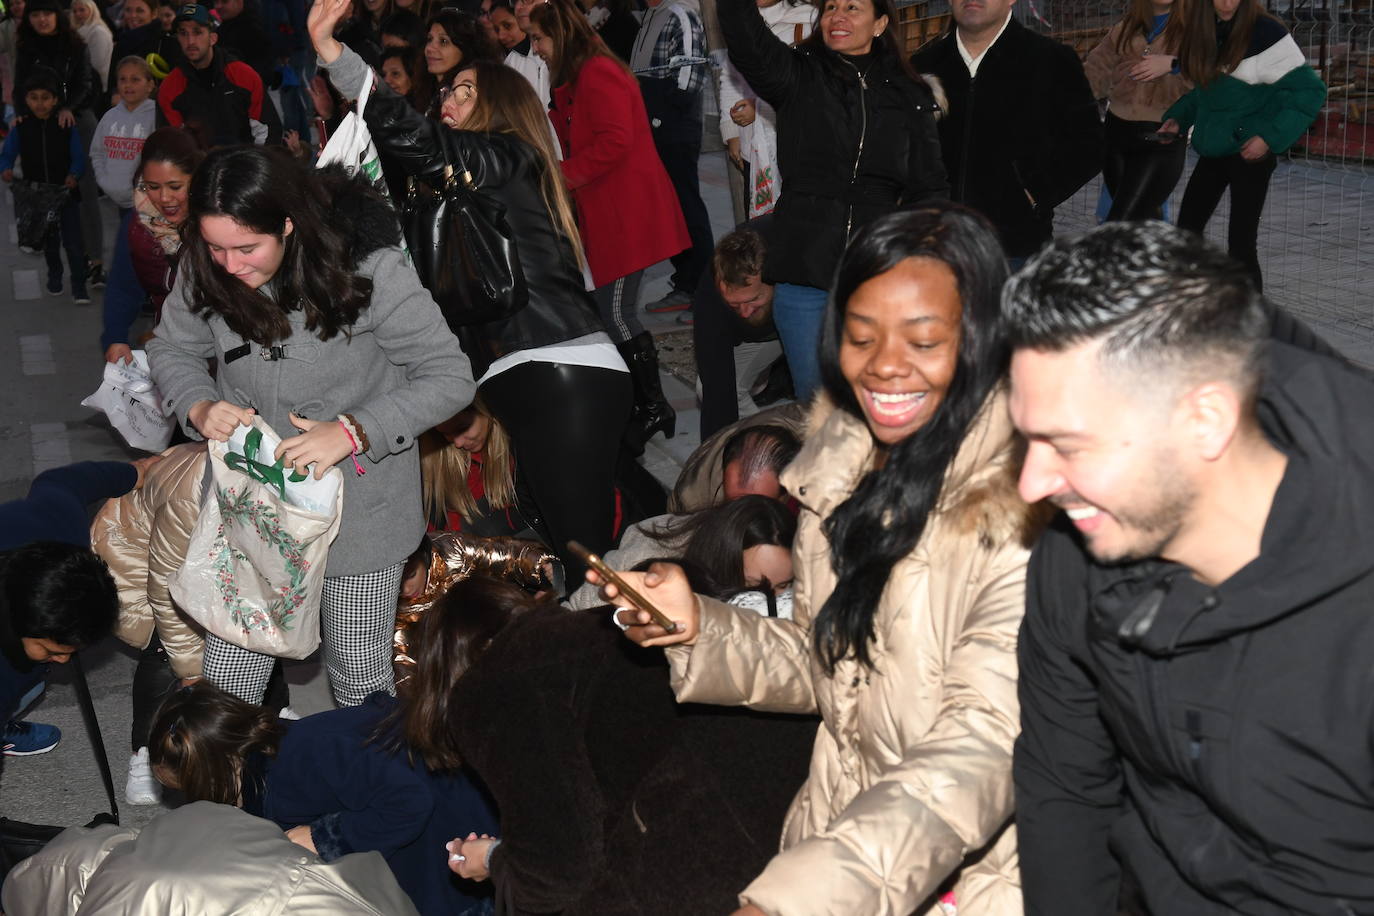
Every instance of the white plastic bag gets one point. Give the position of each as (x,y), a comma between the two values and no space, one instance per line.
(129,398)
(254,568)
(351,143)
(763,169)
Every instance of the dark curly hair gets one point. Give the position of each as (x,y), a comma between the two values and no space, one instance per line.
(260,189)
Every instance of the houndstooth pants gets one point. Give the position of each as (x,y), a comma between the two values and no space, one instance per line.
(357,621)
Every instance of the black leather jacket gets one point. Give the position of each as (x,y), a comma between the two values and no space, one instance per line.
(559,306)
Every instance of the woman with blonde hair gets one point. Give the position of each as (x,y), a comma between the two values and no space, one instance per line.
(467,476)
(548,373)
(96,34)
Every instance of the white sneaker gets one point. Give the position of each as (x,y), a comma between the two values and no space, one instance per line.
(288,713)
(142,788)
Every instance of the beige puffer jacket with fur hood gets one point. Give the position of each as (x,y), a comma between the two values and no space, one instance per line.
(142,536)
(910,791)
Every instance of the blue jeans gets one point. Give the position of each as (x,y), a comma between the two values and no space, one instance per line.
(798,312)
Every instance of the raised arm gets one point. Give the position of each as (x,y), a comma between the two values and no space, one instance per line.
(762,58)
(403,134)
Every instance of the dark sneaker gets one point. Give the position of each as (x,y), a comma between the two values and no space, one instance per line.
(54,286)
(675,301)
(687,319)
(95,276)
(81,297)
(24,739)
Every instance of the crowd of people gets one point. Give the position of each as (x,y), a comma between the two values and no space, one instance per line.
(1038,589)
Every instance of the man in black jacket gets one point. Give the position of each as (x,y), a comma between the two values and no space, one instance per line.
(1022,133)
(1195,658)
(212,93)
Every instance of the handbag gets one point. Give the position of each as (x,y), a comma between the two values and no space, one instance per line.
(19,840)
(463,248)
(38,208)
(254,567)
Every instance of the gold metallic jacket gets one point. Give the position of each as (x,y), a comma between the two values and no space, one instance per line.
(456,556)
(142,536)
(910,789)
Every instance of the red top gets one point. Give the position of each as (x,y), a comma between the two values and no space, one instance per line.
(626,206)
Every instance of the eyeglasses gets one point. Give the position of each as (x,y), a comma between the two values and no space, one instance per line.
(464,91)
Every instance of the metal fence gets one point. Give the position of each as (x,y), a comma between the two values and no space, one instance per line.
(1317,234)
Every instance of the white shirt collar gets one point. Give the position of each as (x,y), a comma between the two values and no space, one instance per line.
(973,62)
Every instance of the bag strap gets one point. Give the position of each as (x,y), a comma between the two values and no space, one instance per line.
(273,475)
(83,697)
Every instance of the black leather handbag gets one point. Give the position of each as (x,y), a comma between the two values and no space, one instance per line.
(463,249)
(19,840)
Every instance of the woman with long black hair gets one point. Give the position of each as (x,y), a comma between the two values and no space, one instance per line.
(454,40)
(1254,96)
(294,281)
(856,138)
(1135,68)
(548,373)
(910,565)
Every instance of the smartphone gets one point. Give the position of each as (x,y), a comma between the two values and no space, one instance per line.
(1160,137)
(610,575)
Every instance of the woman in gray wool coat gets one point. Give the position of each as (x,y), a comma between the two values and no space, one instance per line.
(293,281)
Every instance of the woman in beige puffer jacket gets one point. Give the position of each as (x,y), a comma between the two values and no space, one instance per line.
(908,805)
(143,537)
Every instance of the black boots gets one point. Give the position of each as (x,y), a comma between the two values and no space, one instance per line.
(652,413)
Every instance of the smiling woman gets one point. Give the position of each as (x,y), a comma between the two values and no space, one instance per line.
(910,572)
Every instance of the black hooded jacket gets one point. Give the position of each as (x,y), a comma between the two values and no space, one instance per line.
(1027,124)
(1214,747)
(856,140)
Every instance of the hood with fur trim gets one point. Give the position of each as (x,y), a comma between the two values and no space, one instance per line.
(980,485)
(367,217)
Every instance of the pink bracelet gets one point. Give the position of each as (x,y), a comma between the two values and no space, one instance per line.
(354,443)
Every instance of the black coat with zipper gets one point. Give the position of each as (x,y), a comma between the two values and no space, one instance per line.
(508,169)
(65,56)
(1027,123)
(856,140)
(1214,747)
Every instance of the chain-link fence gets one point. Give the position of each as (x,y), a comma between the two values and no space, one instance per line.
(1316,238)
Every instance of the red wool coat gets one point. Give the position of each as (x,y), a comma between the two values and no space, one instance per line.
(626,206)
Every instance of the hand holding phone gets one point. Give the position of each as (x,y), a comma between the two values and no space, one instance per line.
(610,575)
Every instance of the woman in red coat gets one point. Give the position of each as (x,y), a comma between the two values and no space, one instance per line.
(626,206)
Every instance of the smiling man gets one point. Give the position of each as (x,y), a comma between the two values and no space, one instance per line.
(1195,676)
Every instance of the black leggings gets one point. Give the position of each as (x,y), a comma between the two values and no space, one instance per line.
(1139,173)
(565,424)
(1249,182)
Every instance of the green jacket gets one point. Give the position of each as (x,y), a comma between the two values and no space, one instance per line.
(1227,112)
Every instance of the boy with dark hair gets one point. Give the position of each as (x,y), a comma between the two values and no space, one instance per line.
(56,596)
(51,154)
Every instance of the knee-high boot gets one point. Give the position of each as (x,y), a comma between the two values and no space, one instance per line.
(653,413)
